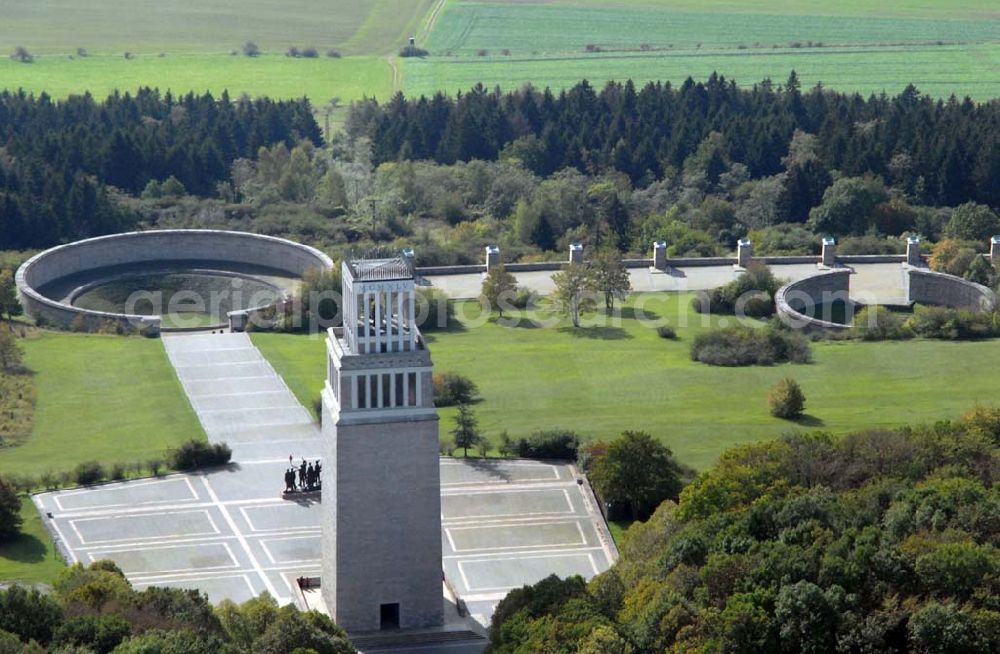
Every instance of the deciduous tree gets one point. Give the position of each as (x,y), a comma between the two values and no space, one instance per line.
(574,292)
(10,511)
(637,471)
(499,289)
(610,277)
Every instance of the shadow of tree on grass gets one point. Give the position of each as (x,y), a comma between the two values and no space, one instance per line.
(807,420)
(26,548)
(597,333)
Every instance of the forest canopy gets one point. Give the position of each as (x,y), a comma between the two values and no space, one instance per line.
(60,160)
(879,541)
(949,149)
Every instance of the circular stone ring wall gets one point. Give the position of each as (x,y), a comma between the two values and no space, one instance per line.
(923,286)
(177,246)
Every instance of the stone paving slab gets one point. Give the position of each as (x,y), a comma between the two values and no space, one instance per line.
(229,533)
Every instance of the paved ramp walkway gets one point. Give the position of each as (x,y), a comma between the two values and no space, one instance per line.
(240,399)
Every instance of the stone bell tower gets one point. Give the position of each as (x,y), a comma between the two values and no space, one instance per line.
(381,476)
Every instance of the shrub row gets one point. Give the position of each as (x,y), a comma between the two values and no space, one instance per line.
(548,444)
(747,346)
(877,323)
(199,454)
(189,456)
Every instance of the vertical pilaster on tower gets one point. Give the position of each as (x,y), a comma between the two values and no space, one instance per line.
(382,488)
(492,257)
(913,251)
(576,252)
(995,250)
(660,255)
(829,252)
(744,252)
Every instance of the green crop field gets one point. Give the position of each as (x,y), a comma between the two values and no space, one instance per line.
(940,47)
(276,76)
(207,26)
(186,46)
(110,399)
(599,382)
(943,47)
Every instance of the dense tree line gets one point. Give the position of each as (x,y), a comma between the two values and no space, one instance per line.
(879,541)
(61,161)
(947,150)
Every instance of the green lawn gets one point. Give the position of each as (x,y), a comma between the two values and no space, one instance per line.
(940,47)
(300,359)
(275,75)
(110,399)
(600,382)
(31,557)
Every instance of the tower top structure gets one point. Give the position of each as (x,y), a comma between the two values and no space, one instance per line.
(379,306)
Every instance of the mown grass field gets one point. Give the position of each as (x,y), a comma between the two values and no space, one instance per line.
(943,48)
(110,399)
(600,382)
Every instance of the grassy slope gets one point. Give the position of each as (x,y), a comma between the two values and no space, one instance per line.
(601,383)
(887,49)
(103,398)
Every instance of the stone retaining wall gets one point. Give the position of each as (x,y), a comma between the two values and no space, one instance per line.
(175,245)
(929,287)
(798,303)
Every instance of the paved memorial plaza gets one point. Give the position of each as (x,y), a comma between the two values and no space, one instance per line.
(883,281)
(229,533)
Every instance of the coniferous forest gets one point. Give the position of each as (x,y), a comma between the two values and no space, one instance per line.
(953,147)
(60,160)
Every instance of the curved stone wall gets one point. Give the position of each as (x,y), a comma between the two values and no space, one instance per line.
(174,245)
(929,287)
(799,303)
(796,302)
